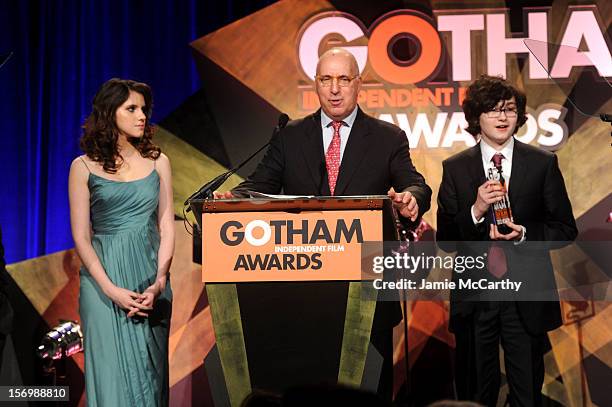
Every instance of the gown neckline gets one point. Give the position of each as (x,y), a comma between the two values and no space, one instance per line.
(123,182)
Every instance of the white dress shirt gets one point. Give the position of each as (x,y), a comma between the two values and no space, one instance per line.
(345,130)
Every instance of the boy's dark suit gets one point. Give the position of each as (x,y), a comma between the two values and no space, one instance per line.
(540,203)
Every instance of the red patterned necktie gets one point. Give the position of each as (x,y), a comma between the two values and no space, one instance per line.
(332,157)
(497,159)
(496,259)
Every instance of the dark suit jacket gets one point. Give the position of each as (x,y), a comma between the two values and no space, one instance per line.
(376,158)
(539,201)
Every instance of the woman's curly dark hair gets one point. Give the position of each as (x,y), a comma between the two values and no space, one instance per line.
(483,95)
(99,140)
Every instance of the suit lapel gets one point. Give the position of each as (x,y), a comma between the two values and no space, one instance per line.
(314,154)
(474,167)
(355,151)
(519,170)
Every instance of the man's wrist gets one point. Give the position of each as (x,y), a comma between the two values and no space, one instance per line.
(474,218)
(523,235)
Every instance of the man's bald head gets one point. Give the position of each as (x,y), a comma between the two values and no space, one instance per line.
(341,53)
(338,83)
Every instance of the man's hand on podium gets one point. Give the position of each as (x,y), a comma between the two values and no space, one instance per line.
(223,195)
(405,203)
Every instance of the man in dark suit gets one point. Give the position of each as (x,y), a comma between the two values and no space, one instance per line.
(363,155)
(541,211)
(339,150)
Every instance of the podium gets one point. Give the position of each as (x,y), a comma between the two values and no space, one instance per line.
(283,279)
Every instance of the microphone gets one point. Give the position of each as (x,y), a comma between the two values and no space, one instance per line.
(207,189)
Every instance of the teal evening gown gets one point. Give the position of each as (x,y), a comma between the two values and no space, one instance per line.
(126,359)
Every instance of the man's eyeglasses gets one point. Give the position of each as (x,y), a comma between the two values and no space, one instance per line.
(495,113)
(343,81)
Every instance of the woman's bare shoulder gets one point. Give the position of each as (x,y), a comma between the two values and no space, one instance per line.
(163,162)
(81,162)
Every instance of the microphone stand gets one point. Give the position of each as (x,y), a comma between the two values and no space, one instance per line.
(206,191)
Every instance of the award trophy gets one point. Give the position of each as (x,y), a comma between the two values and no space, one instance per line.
(501,212)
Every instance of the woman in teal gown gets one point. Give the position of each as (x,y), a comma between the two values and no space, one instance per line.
(122,222)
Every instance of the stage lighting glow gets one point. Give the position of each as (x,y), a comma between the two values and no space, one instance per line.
(62,341)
